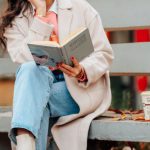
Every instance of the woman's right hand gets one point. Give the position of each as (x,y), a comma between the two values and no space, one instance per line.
(40,6)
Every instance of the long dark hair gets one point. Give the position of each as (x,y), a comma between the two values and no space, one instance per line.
(14,8)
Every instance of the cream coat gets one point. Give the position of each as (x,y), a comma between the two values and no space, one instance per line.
(93,97)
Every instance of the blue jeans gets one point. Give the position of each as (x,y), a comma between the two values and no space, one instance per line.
(38,97)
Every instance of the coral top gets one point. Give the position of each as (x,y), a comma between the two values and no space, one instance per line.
(51,17)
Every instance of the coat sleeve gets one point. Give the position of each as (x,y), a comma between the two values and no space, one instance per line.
(21,33)
(98,63)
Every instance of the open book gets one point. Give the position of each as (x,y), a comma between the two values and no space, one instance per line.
(77,44)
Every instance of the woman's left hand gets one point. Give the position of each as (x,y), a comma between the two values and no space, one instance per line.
(71,71)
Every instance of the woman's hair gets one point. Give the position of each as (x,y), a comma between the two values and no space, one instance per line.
(14,8)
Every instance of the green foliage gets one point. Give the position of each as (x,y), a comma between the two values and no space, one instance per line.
(121,94)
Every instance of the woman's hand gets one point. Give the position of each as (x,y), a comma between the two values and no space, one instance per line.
(40,6)
(76,71)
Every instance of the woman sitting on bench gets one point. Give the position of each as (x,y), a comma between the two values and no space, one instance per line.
(73,96)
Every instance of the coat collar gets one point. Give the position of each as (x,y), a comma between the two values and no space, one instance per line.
(65,16)
(53,8)
(64,4)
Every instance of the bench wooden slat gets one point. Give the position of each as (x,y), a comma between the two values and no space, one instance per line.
(128,15)
(131,59)
(123,15)
(120,130)
(116,130)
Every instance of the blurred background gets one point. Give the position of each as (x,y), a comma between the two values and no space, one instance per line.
(125,90)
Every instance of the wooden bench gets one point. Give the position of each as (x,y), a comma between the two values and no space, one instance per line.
(131,59)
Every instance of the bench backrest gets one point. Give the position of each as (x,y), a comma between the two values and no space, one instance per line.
(130,58)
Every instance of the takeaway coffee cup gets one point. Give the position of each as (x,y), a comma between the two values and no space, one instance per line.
(146,104)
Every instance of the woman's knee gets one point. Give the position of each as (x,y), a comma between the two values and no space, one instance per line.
(31,72)
(28,66)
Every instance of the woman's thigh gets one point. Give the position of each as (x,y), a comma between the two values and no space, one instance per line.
(61,102)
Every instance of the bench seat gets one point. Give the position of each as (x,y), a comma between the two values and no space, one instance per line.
(127,130)
(101,128)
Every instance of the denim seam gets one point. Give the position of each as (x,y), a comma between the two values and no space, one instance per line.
(44,107)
